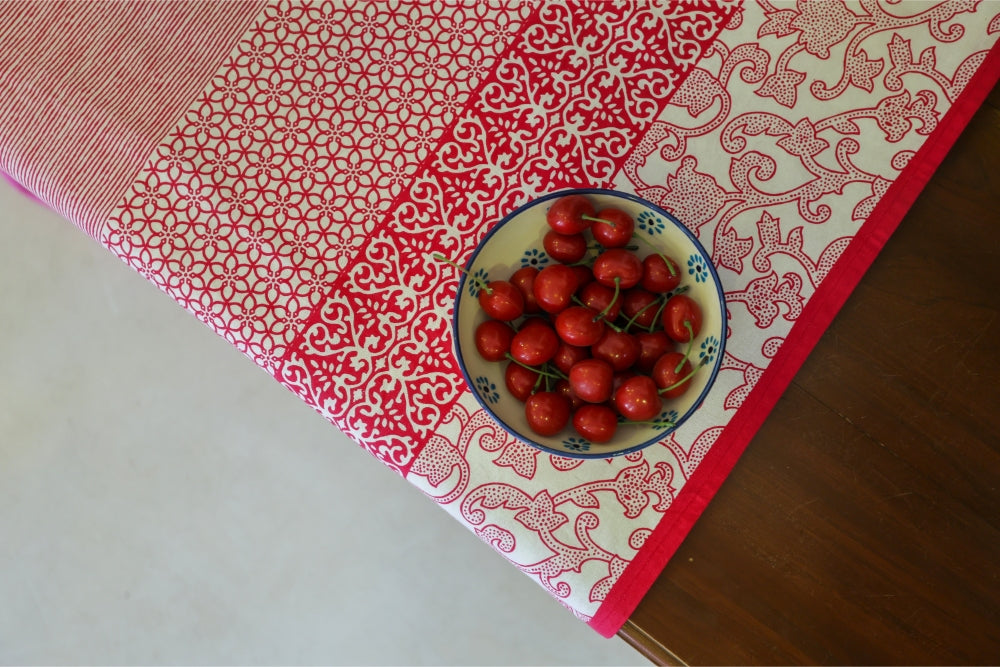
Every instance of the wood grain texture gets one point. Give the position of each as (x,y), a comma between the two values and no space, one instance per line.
(862,524)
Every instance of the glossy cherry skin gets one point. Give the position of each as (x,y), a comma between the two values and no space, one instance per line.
(493,339)
(596,423)
(660,274)
(565,248)
(637,399)
(614,228)
(579,325)
(547,412)
(567,355)
(592,380)
(534,344)
(521,382)
(668,376)
(501,300)
(524,280)
(554,287)
(681,309)
(618,265)
(652,346)
(618,348)
(640,306)
(601,298)
(562,387)
(566,215)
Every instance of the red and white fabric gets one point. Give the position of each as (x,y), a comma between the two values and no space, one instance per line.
(285,170)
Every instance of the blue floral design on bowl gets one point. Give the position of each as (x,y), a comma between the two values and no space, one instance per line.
(487,389)
(650,223)
(709,348)
(698,269)
(534,257)
(474,283)
(668,417)
(575,444)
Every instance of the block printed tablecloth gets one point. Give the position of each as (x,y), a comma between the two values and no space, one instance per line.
(285,170)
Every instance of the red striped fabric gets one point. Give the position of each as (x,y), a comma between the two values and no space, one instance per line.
(69,132)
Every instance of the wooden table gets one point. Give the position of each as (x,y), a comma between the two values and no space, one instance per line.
(862,524)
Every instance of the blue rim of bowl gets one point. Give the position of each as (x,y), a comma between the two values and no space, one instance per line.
(719,293)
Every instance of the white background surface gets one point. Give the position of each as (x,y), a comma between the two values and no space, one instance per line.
(164,501)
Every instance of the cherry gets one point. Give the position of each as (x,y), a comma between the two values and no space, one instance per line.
(612,227)
(637,398)
(579,325)
(682,318)
(640,307)
(618,348)
(584,276)
(547,412)
(660,273)
(493,339)
(562,387)
(534,344)
(524,280)
(617,267)
(596,423)
(566,215)
(592,380)
(521,381)
(565,248)
(567,355)
(554,287)
(673,374)
(499,299)
(602,299)
(652,346)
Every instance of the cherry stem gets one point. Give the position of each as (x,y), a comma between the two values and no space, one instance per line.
(593,219)
(642,310)
(577,300)
(478,281)
(690,330)
(531,368)
(684,379)
(607,308)
(670,265)
(656,318)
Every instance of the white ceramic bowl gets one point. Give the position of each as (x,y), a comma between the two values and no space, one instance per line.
(516,241)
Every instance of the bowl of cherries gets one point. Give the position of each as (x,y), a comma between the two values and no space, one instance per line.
(589,323)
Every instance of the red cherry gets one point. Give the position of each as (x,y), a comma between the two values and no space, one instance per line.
(567,355)
(501,300)
(565,248)
(613,228)
(672,374)
(617,265)
(660,273)
(524,279)
(565,216)
(584,276)
(534,344)
(562,387)
(601,299)
(547,412)
(596,423)
(493,339)
(682,318)
(637,398)
(554,287)
(618,348)
(640,307)
(652,346)
(592,380)
(579,325)
(521,382)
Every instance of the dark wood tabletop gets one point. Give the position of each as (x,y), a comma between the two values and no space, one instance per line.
(862,524)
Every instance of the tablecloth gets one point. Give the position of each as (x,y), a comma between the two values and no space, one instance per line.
(285,171)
